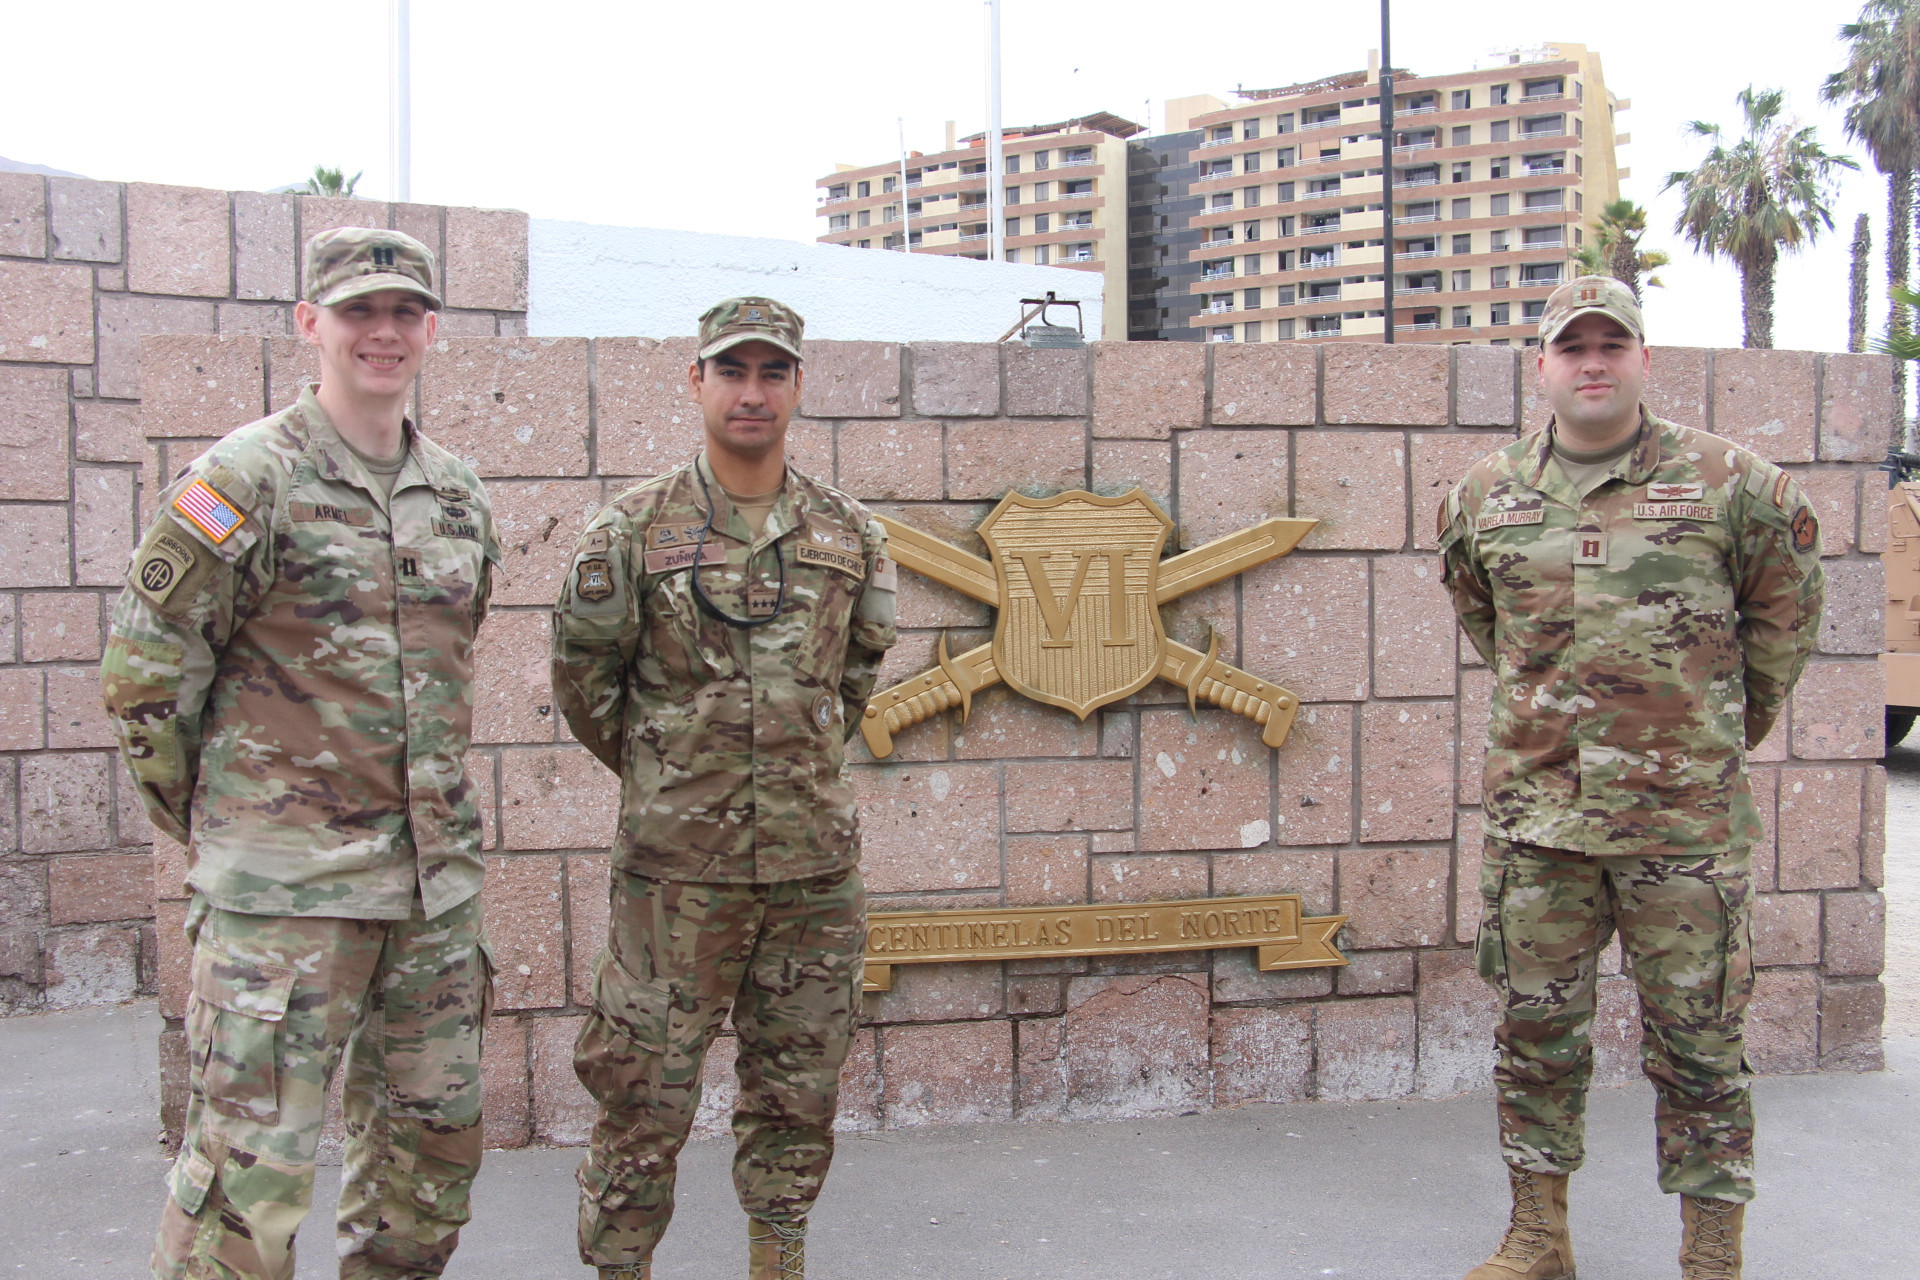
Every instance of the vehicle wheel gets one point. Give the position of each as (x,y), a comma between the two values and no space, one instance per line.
(1898,724)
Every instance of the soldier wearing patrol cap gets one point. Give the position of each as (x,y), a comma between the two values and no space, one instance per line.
(290,677)
(1646,595)
(715,644)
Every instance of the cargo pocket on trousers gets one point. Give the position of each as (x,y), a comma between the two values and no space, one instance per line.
(190,1179)
(234,1034)
(1736,947)
(1490,942)
(619,1051)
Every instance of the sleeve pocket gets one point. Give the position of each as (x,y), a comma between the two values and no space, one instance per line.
(238,1008)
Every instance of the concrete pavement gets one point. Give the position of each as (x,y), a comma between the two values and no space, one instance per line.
(1408,1190)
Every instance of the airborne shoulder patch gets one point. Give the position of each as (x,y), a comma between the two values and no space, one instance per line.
(165,559)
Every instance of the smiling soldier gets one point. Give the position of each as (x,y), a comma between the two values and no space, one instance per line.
(290,677)
(714,645)
(1646,595)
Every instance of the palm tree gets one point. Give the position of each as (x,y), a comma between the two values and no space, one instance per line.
(1767,193)
(1881,88)
(329,182)
(1857,284)
(1616,251)
(1906,346)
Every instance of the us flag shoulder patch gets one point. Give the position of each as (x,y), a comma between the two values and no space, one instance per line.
(201,503)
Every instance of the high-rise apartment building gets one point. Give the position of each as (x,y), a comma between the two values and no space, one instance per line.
(1272,220)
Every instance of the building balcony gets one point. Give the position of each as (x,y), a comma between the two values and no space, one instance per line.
(972,235)
(1219,308)
(1541,171)
(1417,217)
(1217,275)
(1418,253)
(1217,142)
(1416,328)
(1416,146)
(1217,244)
(1076,164)
(1427,110)
(1545,244)
(1556,207)
(1542,97)
(1307,125)
(1417,182)
(1559,132)
(1408,291)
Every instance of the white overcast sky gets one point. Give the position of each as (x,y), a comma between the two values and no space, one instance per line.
(718,117)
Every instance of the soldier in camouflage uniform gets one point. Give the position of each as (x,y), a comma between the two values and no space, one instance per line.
(290,678)
(715,642)
(1646,595)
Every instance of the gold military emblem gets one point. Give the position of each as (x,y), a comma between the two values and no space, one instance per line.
(1078,581)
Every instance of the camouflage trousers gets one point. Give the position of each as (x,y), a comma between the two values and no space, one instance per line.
(787,959)
(275,1002)
(1687,926)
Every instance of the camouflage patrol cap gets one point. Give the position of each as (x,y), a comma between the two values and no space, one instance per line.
(1584,294)
(737,320)
(350,261)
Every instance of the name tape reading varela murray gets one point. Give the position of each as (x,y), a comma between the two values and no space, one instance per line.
(1274,923)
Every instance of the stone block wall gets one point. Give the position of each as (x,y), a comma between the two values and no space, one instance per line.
(1370,809)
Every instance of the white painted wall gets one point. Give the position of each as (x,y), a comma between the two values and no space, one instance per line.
(590,281)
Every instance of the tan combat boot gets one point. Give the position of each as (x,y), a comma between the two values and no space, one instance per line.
(1710,1238)
(1536,1246)
(628,1271)
(776,1250)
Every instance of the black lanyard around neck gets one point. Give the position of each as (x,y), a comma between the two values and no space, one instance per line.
(700,595)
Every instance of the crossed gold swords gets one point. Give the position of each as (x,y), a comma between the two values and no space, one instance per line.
(956,679)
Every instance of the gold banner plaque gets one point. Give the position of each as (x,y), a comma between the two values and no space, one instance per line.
(1273,923)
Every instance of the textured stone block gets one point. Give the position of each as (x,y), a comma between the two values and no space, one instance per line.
(1616,1032)
(1851,620)
(1385,386)
(1394,897)
(106,432)
(562,1108)
(1439,460)
(929,827)
(1851,1016)
(33,433)
(1835,499)
(1484,386)
(1838,711)
(509,406)
(103,527)
(1856,934)
(1147,877)
(1873,826)
(1120,465)
(36,540)
(1305,626)
(174,972)
(177,241)
(1355,484)
(1376,973)
(170,866)
(75,718)
(1765,785)
(506,1100)
(1135,1045)
(254,319)
(1783,1022)
(1262,1055)
(893,461)
(23,215)
(939,993)
(1819,828)
(588,912)
(1457,1015)
(1203,785)
(1677,385)
(1229,480)
(196,386)
(521,906)
(1148,390)
(1366,1049)
(124,319)
(1316,778)
(1237,978)
(92,965)
(956,379)
(1786,929)
(1469,852)
(1308,873)
(65,803)
(1407,772)
(59,627)
(513,690)
(46,313)
(486,259)
(1262,385)
(9,630)
(84,217)
(645,418)
(538,523)
(860,1085)
(1070,796)
(851,380)
(559,798)
(1045,870)
(1005,726)
(423,223)
(986,459)
(1857,407)
(1764,401)
(22,709)
(265,247)
(1040,1051)
(1415,635)
(1044,383)
(99,887)
(956,1074)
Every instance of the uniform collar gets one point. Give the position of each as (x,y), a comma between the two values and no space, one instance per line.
(727,520)
(1640,462)
(333,460)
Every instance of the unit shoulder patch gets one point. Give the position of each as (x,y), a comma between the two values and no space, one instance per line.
(165,560)
(209,510)
(1806,530)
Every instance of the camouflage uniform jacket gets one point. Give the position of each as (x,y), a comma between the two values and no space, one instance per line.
(294,698)
(729,741)
(1641,638)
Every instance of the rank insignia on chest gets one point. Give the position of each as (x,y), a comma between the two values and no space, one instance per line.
(595,580)
(762,602)
(1589,547)
(211,513)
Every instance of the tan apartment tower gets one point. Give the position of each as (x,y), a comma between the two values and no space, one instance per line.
(1494,176)
(1066,201)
